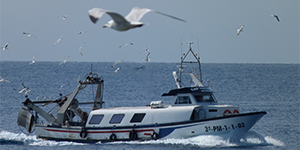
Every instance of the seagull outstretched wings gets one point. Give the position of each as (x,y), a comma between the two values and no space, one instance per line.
(121,23)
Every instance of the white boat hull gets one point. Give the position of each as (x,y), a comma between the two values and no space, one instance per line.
(239,123)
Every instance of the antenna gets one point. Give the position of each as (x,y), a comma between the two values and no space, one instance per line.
(181,47)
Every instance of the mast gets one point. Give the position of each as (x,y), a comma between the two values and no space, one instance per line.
(178,81)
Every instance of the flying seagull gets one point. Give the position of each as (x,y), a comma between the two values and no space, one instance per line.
(29,35)
(33,61)
(118,61)
(80,32)
(138,68)
(276,16)
(80,48)
(5,47)
(62,87)
(120,23)
(58,40)
(147,58)
(26,89)
(117,70)
(146,50)
(240,30)
(2,80)
(124,45)
(65,61)
(64,17)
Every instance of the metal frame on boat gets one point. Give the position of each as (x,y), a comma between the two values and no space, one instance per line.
(195,111)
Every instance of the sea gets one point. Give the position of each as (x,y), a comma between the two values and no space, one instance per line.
(274,88)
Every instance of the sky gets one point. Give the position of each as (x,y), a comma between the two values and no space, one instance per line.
(211,24)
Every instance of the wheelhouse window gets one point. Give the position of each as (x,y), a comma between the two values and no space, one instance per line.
(183,100)
(96,119)
(138,117)
(205,98)
(116,118)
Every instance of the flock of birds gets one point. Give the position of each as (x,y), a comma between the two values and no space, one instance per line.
(146,59)
(118,23)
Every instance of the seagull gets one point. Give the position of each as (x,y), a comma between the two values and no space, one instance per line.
(64,17)
(240,30)
(65,61)
(33,61)
(26,89)
(138,68)
(276,16)
(120,23)
(29,35)
(146,50)
(80,32)
(124,45)
(80,48)
(117,70)
(118,61)
(147,58)
(62,87)
(2,80)
(58,40)
(5,47)
(37,98)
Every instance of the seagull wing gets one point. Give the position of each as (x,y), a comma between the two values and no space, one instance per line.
(240,29)
(23,85)
(170,16)
(22,90)
(238,32)
(114,64)
(117,17)
(61,36)
(137,13)
(96,13)
(277,18)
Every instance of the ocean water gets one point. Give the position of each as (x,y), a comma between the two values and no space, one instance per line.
(274,88)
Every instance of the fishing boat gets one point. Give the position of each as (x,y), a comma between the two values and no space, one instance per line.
(195,111)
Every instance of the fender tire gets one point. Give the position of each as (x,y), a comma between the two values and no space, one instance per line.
(83,133)
(154,136)
(133,135)
(112,137)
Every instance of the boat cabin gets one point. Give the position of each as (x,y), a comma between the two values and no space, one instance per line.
(190,104)
(207,104)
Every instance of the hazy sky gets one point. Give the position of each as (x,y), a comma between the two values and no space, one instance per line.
(212,24)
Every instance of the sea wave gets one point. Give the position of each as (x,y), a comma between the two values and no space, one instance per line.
(251,138)
(9,138)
